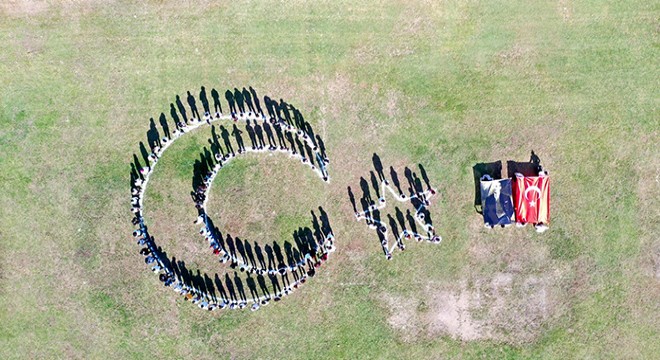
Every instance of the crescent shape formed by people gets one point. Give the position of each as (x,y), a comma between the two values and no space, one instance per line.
(295,137)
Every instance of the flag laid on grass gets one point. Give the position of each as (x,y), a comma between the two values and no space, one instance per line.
(497,202)
(532,199)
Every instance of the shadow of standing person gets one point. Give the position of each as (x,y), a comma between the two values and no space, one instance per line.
(163,124)
(269,135)
(248,100)
(378,166)
(395,180)
(225,138)
(205,102)
(153,137)
(181,108)
(270,107)
(251,135)
(255,98)
(175,117)
(230,100)
(239,139)
(284,108)
(217,106)
(424,176)
(260,135)
(193,107)
(321,146)
(238,97)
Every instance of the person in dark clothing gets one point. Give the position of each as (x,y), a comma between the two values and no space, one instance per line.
(232,104)
(193,107)
(238,97)
(248,100)
(269,136)
(217,106)
(250,131)
(260,135)
(239,139)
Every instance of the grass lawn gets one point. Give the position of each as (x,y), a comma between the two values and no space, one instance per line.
(443,84)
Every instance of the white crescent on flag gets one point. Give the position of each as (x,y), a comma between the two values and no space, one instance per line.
(532,188)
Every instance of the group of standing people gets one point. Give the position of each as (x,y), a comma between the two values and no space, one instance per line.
(294,135)
(418,197)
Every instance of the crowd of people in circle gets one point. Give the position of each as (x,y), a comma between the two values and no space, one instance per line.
(294,136)
(416,195)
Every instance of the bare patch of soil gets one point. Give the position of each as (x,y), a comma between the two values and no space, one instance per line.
(564,9)
(23,7)
(403,316)
(510,291)
(505,307)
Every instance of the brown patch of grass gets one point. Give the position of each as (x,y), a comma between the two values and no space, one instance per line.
(515,54)
(506,306)
(17,8)
(403,316)
(564,7)
(450,315)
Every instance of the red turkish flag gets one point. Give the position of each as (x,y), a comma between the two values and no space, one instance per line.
(531,196)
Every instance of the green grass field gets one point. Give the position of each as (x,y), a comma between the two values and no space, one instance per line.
(446,84)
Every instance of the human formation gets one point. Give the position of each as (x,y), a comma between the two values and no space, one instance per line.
(419,197)
(521,199)
(281,128)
